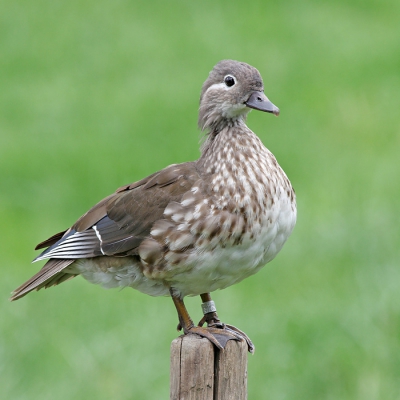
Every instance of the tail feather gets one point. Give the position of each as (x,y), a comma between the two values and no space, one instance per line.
(50,275)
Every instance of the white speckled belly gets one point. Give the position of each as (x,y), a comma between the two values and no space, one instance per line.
(223,267)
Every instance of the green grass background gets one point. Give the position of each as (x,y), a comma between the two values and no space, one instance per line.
(97,94)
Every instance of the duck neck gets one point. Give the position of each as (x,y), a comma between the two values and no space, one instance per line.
(232,145)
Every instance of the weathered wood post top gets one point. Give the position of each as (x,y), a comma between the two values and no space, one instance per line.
(199,371)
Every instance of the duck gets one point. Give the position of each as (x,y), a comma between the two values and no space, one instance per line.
(191,228)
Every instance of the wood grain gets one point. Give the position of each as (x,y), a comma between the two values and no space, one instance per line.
(230,382)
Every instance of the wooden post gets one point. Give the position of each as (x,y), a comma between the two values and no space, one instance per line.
(199,371)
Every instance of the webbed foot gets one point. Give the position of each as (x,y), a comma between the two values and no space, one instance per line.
(217,336)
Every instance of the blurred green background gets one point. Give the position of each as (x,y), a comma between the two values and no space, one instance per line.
(97,94)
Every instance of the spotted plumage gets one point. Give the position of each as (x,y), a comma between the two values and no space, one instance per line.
(191,228)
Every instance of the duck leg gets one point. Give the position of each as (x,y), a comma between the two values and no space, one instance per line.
(216,335)
(211,317)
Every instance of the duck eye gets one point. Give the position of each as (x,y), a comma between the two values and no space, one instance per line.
(229,80)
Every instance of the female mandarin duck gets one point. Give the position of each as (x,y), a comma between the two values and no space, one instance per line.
(190,228)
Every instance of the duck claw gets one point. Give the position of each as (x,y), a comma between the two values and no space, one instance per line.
(217,336)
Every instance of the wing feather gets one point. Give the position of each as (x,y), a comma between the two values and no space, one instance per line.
(114,227)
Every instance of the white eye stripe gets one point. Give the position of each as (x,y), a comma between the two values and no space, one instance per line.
(217,86)
(222,85)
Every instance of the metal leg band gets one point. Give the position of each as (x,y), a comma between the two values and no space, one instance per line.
(208,307)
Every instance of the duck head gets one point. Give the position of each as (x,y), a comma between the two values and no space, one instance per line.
(231,90)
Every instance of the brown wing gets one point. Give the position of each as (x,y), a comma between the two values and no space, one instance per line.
(116,225)
(131,215)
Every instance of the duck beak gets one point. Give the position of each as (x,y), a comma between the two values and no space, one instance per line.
(259,101)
